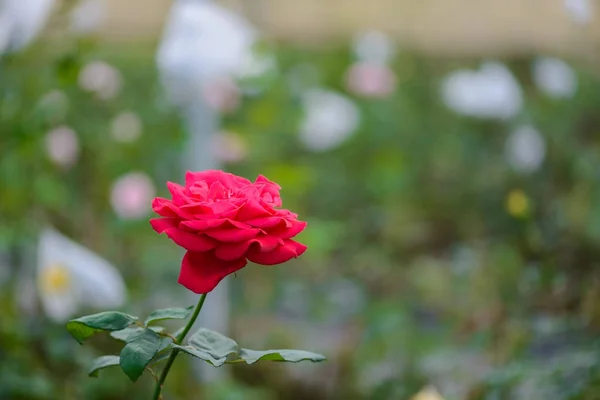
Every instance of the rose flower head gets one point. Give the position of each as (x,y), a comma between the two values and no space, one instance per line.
(224,221)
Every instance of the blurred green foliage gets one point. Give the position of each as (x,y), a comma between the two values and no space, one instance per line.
(410,213)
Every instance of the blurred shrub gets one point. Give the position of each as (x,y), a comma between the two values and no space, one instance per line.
(431,259)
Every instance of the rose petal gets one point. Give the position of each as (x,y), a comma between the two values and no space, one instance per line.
(178,194)
(232,235)
(191,241)
(164,207)
(222,207)
(264,223)
(270,190)
(290,231)
(267,243)
(211,176)
(283,253)
(202,225)
(162,224)
(264,179)
(206,224)
(232,251)
(252,209)
(202,272)
(199,190)
(196,208)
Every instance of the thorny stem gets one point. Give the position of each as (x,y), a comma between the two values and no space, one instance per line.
(180,337)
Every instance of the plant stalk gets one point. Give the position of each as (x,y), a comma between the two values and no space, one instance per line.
(180,337)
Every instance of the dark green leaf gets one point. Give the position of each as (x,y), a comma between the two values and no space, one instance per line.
(101,363)
(85,327)
(138,352)
(126,334)
(169,313)
(252,356)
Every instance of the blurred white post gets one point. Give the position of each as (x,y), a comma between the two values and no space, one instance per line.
(21,22)
(202,123)
(185,61)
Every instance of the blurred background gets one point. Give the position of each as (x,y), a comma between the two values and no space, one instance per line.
(445,153)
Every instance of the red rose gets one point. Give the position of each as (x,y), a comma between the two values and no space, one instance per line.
(223,220)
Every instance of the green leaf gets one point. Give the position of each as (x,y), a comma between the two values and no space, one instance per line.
(169,313)
(203,355)
(210,346)
(138,352)
(84,327)
(101,363)
(214,343)
(251,356)
(126,334)
(217,349)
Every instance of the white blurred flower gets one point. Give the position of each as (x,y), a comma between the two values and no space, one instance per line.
(101,78)
(62,146)
(21,21)
(491,92)
(254,64)
(329,119)
(229,147)
(131,195)
(370,80)
(88,15)
(126,127)
(71,277)
(373,46)
(202,41)
(221,94)
(525,149)
(581,11)
(554,77)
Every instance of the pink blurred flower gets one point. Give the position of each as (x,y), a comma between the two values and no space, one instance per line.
(62,146)
(370,79)
(229,147)
(131,195)
(101,78)
(222,94)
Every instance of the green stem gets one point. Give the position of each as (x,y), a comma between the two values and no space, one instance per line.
(165,371)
